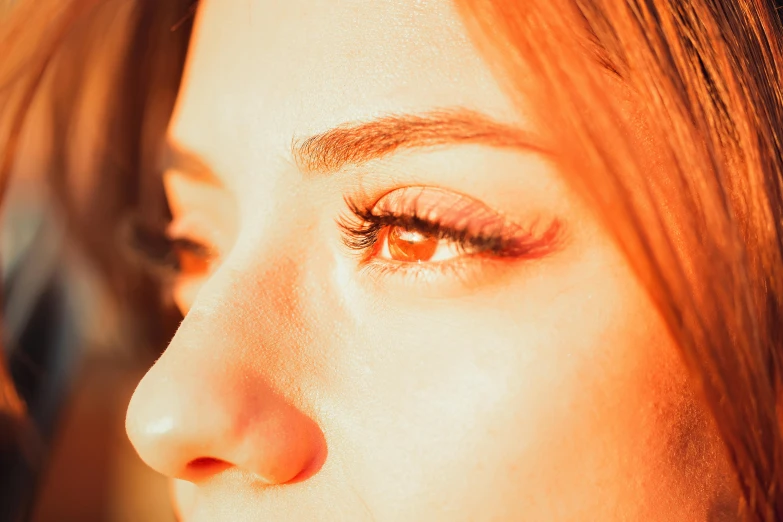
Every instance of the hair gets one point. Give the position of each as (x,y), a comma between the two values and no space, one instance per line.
(86,92)
(701,227)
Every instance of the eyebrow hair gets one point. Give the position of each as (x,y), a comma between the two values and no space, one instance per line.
(353,144)
(187,163)
(357,143)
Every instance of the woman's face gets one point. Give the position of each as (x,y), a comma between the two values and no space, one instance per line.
(396,309)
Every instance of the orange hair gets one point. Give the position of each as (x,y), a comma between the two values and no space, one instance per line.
(86,91)
(701,218)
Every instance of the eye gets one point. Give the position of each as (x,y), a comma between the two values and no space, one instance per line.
(413,246)
(421,226)
(192,258)
(163,255)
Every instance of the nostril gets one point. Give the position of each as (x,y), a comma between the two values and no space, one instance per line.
(205,467)
(197,422)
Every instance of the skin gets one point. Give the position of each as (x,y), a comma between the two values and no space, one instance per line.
(305,385)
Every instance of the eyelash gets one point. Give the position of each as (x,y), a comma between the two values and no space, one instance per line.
(363,228)
(157,253)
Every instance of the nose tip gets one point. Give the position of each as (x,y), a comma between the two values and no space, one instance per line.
(193,428)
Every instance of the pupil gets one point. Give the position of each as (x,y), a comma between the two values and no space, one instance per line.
(410,245)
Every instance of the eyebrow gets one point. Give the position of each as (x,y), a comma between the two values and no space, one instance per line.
(353,144)
(174,157)
(357,143)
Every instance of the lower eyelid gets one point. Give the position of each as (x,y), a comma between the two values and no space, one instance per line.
(442,279)
(460,276)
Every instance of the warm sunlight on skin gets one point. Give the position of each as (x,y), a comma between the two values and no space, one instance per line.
(425,328)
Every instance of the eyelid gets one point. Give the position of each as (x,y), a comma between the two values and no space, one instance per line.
(446,208)
(198,248)
(187,225)
(194,229)
(451,216)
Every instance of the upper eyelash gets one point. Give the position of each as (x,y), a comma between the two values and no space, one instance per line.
(361,230)
(154,250)
(145,244)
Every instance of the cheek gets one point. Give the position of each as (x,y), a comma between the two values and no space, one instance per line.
(563,392)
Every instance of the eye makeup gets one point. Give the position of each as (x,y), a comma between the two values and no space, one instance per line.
(419,230)
(423,218)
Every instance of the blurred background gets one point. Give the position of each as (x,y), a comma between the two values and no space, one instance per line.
(74,367)
(78,330)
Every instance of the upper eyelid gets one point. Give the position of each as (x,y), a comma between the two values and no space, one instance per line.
(400,205)
(363,235)
(461,210)
(472,222)
(422,224)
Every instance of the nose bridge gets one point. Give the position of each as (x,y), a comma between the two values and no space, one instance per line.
(213,399)
(248,324)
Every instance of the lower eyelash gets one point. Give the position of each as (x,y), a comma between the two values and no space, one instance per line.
(460,273)
(419,270)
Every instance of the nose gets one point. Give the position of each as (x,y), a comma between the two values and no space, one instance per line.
(204,408)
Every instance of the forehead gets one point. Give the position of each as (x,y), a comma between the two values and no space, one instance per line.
(268,71)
